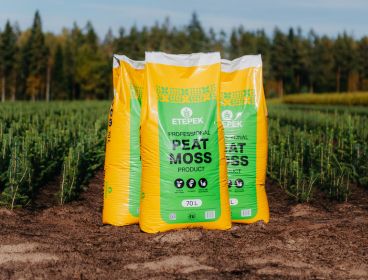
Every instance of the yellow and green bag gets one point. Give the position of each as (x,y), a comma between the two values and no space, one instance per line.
(184,180)
(122,161)
(244,116)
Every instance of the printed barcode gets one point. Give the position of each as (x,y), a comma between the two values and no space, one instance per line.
(210,214)
(246,212)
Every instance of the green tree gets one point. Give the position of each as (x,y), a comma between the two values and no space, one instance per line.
(281,60)
(58,82)
(197,37)
(108,43)
(75,40)
(91,67)
(234,48)
(8,50)
(180,42)
(247,42)
(263,47)
(157,38)
(75,64)
(299,61)
(91,38)
(38,58)
(218,41)
(322,64)
(132,47)
(362,61)
(345,56)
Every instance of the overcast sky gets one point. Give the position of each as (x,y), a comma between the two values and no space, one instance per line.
(324,16)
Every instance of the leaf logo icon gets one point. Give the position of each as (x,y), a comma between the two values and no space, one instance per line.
(186,112)
(227,115)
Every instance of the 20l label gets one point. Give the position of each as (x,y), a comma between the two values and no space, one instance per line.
(189,158)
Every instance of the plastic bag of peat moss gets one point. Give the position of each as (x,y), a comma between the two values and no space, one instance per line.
(184,180)
(244,116)
(122,163)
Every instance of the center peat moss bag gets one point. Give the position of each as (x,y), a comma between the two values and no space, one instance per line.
(122,162)
(184,179)
(244,116)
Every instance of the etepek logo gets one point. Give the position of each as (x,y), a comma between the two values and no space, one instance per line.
(186,114)
(227,115)
(228,119)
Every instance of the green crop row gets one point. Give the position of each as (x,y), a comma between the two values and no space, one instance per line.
(330,109)
(358,98)
(311,150)
(40,141)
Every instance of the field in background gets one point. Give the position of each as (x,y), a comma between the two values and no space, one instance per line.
(312,149)
(356,98)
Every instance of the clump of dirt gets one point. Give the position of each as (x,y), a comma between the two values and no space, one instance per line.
(301,210)
(178,236)
(321,240)
(6,212)
(173,264)
(24,252)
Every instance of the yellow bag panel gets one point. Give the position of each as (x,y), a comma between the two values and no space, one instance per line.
(174,96)
(244,115)
(122,160)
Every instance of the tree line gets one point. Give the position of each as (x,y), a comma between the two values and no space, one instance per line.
(76,64)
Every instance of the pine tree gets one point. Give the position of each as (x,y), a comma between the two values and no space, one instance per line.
(362,61)
(58,79)
(197,37)
(247,42)
(263,47)
(77,64)
(299,60)
(8,51)
(92,67)
(73,46)
(37,59)
(108,43)
(69,70)
(345,56)
(234,49)
(217,42)
(281,60)
(91,37)
(322,65)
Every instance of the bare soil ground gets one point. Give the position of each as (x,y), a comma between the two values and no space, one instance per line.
(322,240)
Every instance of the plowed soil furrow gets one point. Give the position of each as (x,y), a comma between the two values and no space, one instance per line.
(321,240)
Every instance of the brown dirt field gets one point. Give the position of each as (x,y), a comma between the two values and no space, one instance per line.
(321,240)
